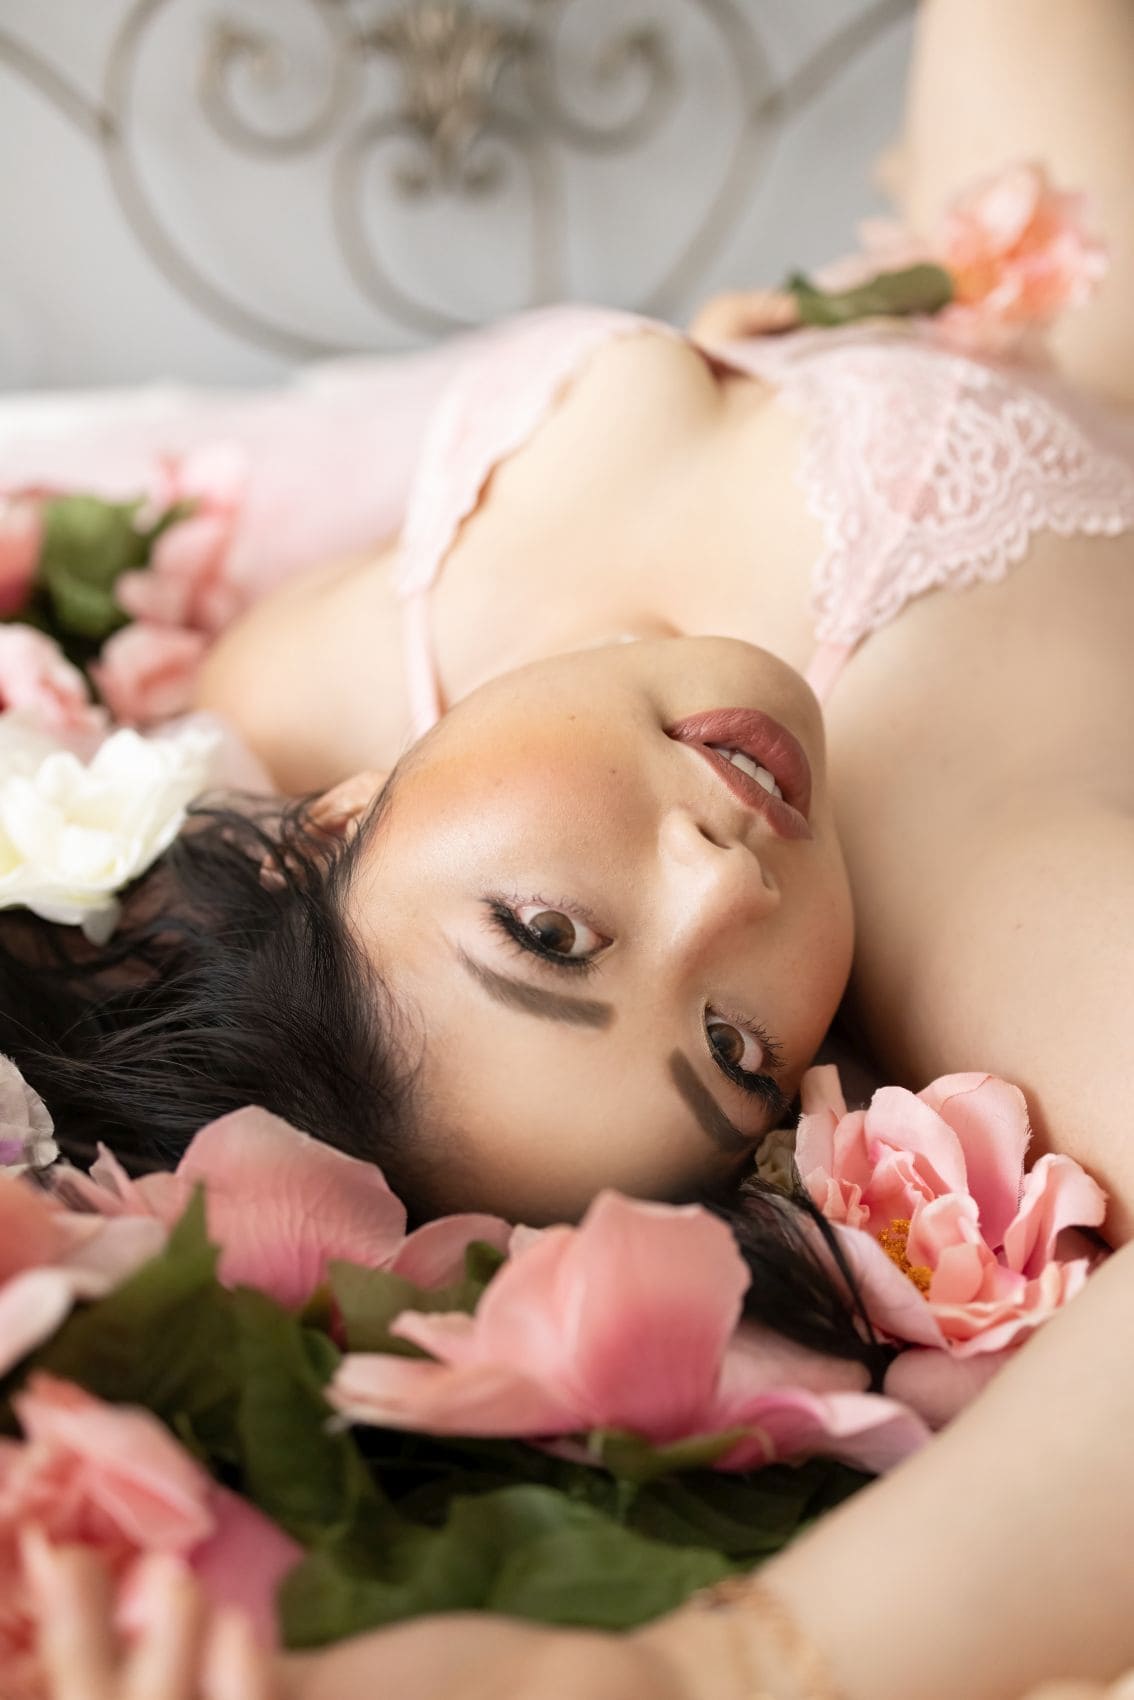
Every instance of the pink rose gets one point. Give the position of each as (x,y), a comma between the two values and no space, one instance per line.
(50,1257)
(1017,250)
(21,537)
(954,1243)
(113,1478)
(145,673)
(37,680)
(281,1206)
(186,583)
(1019,253)
(628,1321)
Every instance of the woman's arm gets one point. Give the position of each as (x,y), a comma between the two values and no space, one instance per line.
(994,81)
(1000,1555)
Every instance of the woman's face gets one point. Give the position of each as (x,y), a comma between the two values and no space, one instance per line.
(619,968)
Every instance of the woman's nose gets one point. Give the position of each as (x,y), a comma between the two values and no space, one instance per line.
(714,882)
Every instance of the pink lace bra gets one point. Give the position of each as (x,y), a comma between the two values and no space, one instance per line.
(926,469)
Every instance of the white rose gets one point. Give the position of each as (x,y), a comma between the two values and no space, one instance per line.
(74,832)
(25,1124)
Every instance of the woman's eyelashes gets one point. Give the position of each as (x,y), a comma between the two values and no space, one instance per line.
(551,931)
(727,1041)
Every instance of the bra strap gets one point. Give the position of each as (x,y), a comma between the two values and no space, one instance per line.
(827,662)
(422,683)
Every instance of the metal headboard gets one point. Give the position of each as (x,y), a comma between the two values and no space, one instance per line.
(462,123)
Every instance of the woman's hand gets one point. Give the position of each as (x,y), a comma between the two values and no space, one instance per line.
(488,1658)
(181,1649)
(742,313)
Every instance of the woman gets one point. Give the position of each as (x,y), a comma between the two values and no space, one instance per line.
(563,821)
(572,489)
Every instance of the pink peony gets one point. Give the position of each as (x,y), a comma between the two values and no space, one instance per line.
(37,680)
(281,1206)
(21,536)
(49,1258)
(1016,249)
(625,1322)
(146,672)
(186,583)
(954,1243)
(113,1478)
(1019,253)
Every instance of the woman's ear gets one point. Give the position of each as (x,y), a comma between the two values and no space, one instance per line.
(338,811)
(336,814)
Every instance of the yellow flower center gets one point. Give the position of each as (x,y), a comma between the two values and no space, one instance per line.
(894,1241)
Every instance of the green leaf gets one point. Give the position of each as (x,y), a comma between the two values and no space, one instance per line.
(369,1300)
(526,1550)
(165,1339)
(592,1573)
(87,544)
(307,1476)
(745,1517)
(916,289)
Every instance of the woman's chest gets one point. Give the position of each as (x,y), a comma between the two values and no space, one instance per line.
(655,496)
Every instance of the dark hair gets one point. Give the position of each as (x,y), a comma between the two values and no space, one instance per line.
(221,989)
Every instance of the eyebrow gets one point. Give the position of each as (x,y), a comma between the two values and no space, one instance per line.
(536,1000)
(593,1013)
(706,1109)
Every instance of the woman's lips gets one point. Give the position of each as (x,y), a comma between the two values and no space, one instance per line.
(769,745)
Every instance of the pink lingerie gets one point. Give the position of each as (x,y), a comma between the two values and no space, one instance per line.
(926,469)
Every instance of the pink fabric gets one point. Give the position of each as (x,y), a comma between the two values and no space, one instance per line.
(329,458)
(926,468)
(493,404)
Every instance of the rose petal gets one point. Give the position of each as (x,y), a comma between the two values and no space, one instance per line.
(32,1306)
(434,1255)
(862,1429)
(136,1472)
(990,1118)
(937,1385)
(1057,1194)
(242,1563)
(282,1205)
(484,1399)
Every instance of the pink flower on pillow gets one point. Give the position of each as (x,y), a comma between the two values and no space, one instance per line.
(113,1478)
(49,1258)
(38,681)
(21,536)
(628,1321)
(146,672)
(281,1206)
(186,583)
(1019,253)
(954,1243)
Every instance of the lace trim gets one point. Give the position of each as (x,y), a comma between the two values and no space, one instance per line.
(929,471)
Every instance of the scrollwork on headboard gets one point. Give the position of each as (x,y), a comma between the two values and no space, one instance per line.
(417,105)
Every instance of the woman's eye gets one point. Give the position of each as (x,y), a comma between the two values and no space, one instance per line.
(735,1046)
(558,933)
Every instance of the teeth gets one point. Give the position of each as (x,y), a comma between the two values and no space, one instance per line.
(753,769)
